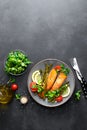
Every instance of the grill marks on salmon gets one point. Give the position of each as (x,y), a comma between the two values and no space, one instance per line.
(55,80)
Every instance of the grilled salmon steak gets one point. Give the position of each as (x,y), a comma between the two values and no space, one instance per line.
(51,78)
(59,81)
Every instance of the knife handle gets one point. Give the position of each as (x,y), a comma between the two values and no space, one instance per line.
(84,87)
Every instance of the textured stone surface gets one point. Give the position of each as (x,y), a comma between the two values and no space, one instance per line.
(43,29)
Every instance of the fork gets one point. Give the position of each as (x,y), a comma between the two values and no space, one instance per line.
(82,80)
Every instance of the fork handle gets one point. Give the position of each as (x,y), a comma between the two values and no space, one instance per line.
(84,87)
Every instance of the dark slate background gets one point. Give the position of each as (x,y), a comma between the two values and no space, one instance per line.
(43,29)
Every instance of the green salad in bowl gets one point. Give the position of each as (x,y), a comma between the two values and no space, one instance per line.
(16,62)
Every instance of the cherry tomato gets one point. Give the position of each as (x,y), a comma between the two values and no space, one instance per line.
(33,89)
(58,67)
(32,84)
(14,87)
(59,99)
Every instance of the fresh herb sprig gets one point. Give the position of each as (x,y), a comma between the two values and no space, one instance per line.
(17,96)
(11,80)
(78,95)
(64,69)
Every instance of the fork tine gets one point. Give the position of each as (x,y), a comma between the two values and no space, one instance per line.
(71,61)
(75,61)
(75,66)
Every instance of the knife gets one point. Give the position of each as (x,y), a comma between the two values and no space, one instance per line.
(82,80)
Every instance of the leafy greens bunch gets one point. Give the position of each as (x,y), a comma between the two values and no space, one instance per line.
(16,62)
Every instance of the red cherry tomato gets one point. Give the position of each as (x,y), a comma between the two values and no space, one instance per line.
(59,99)
(32,84)
(58,67)
(14,87)
(33,89)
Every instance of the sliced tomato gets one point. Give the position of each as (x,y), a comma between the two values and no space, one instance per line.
(58,67)
(33,89)
(59,99)
(32,84)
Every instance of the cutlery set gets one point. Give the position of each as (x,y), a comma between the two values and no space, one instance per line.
(80,77)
